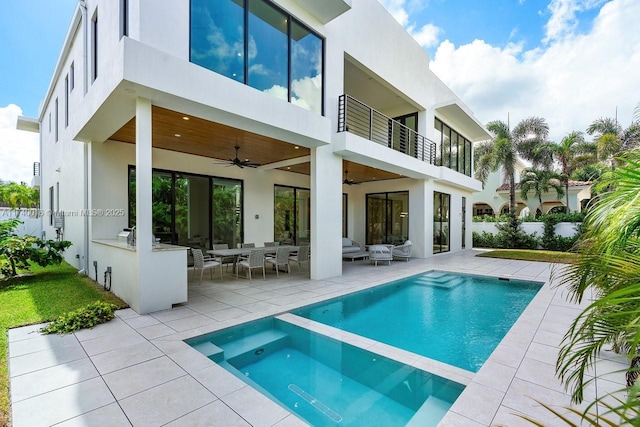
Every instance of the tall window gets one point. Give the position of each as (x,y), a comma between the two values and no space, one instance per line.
(464,222)
(124,18)
(292,215)
(72,77)
(192,210)
(387,218)
(441,222)
(94,47)
(55,117)
(345,216)
(66,101)
(256,43)
(51,207)
(455,150)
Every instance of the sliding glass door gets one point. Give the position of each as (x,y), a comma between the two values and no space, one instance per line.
(441,223)
(192,210)
(387,218)
(292,215)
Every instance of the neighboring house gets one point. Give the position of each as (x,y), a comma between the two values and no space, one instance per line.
(149,99)
(493,200)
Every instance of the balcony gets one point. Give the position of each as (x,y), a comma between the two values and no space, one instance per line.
(35,181)
(359,119)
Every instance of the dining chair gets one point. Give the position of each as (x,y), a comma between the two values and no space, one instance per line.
(270,244)
(281,258)
(255,260)
(301,257)
(199,264)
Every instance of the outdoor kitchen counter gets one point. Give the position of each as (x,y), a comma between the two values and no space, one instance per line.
(123,245)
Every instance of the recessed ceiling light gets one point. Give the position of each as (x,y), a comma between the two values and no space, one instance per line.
(296,147)
(185,118)
(288,168)
(177,135)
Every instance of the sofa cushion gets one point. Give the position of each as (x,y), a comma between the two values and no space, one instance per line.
(350,249)
(346,242)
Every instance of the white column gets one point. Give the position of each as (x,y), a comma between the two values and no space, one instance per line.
(143,199)
(326,213)
(428,218)
(418,218)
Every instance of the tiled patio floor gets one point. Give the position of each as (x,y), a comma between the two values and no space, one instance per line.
(136,370)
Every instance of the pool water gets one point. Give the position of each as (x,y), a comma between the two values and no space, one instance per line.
(456,319)
(328,382)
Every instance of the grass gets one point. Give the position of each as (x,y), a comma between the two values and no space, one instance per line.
(41,297)
(531,255)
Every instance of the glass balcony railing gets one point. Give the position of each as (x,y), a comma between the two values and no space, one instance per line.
(360,119)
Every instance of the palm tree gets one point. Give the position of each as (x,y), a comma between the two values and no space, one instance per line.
(573,153)
(611,140)
(504,148)
(540,182)
(19,195)
(608,266)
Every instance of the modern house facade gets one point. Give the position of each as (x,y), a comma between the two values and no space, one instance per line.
(341,130)
(493,200)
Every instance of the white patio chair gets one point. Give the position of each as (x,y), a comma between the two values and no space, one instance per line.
(269,244)
(380,253)
(301,257)
(199,264)
(255,260)
(281,258)
(402,251)
(225,260)
(248,245)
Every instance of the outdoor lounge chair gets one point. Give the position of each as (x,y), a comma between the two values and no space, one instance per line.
(402,251)
(255,260)
(380,253)
(199,264)
(281,258)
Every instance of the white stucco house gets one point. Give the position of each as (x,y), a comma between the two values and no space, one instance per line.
(149,99)
(493,200)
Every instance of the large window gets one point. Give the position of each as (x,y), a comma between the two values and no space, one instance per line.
(292,215)
(257,43)
(455,150)
(387,218)
(192,210)
(345,215)
(441,224)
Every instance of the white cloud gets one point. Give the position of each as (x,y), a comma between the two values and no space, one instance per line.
(398,10)
(564,21)
(571,82)
(427,36)
(19,148)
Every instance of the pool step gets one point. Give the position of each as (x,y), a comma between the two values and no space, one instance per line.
(253,343)
(440,281)
(210,350)
(430,413)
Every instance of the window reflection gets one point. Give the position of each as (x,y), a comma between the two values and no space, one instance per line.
(387,218)
(217,36)
(306,68)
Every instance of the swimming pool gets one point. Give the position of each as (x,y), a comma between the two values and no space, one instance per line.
(456,319)
(325,381)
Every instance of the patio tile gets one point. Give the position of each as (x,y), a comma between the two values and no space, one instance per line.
(478,402)
(126,313)
(495,375)
(254,407)
(38,342)
(31,362)
(227,313)
(192,322)
(156,331)
(143,376)
(260,307)
(124,357)
(217,380)
(543,353)
(176,313)
(209,306)
(166,402)
(234,299)
(45,380)
(110,415)
(291,421)
(112,327)
(61,404)
(451,419)
(119,339)
(141,321)
(215,414)
(24,333)
(191,360)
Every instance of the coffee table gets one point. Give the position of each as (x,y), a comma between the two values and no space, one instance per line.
(356,255)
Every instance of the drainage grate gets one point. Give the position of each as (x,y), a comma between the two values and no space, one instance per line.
(315,403)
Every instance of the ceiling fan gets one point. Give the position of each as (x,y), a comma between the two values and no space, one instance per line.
(348,181)
(240,163)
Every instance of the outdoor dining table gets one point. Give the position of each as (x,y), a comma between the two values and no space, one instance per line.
(238,252)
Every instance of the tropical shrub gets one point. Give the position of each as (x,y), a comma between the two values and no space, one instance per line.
(85,317)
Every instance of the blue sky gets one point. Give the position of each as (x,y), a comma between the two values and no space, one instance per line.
(568,61)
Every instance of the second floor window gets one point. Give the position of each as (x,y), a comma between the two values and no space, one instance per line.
(256,43)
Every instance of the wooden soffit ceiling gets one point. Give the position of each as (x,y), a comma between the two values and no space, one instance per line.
(187,134)
(357,172)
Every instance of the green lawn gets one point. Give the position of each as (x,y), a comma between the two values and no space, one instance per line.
(531,255)
(50,292)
